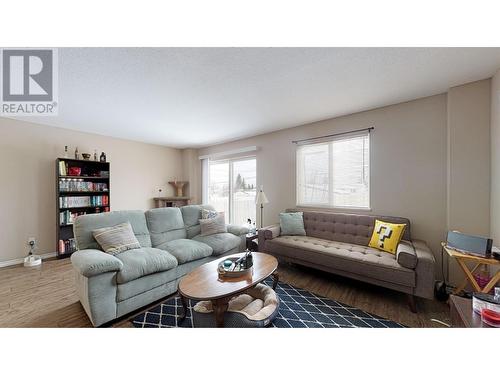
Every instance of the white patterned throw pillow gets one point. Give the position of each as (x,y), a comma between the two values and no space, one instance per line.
(208,214)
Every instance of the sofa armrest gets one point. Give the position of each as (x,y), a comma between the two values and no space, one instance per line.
(406,255)
(425,270)
(271,231)
(241,232)
(237,230)
(93,262)
(268,233)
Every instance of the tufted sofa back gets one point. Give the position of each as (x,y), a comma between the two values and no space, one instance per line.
(350,228)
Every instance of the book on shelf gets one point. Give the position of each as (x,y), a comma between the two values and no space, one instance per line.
(67,246)
(63,169)
(83,201)
(68,218)
(69,185)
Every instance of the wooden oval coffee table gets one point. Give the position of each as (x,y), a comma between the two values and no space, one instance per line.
(204,283)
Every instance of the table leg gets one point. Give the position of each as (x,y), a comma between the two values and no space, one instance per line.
(184,307)
(220,307)
(461,287)
(492,282)
(276,278)
(469,275)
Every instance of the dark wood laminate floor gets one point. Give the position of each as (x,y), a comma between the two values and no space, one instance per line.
(46,297)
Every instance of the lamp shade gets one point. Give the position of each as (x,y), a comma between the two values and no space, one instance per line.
(261,198)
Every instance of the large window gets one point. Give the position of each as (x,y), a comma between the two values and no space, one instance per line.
(231,188)
(335,173)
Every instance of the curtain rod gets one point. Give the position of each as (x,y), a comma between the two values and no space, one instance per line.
(229,153)
(333,135)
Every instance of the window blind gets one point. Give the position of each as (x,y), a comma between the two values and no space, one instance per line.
(335,172)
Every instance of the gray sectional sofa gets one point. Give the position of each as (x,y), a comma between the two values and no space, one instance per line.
(171,245)
(338,243)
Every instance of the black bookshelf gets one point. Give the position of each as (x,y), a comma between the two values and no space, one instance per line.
(82,187)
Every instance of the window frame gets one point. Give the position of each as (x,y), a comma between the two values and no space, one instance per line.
(231,162)
(330,177)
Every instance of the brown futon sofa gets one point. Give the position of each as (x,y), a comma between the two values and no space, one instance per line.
(338,243)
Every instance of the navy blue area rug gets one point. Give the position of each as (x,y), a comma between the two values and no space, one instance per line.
(298,309)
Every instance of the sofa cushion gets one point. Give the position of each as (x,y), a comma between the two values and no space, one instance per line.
(191,215)
(406,255)
(147,283)
(220,242)
(356,259)
(144,261)
(144,284)
(185,250)
(165,224)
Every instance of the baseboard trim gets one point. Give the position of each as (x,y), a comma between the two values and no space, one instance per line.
(13,262)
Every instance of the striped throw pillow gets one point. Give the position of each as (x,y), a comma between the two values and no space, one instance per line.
(213,226)
(116,239)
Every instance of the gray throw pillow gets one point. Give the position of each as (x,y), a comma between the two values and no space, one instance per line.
(116,239)
(292,224)
(213,226)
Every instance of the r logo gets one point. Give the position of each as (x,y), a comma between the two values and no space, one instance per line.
(383,232)
(27,75)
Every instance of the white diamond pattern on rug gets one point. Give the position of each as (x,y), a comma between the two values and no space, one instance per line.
(298,309)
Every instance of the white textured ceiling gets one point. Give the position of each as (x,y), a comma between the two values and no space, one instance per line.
(193,97)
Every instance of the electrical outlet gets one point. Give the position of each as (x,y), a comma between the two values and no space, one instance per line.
(32,242)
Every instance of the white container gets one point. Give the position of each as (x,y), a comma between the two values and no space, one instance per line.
(482,301)
(32,261)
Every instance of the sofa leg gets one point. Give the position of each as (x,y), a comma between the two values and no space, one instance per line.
(412,303)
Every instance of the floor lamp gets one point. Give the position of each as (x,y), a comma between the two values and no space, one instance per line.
(261,200)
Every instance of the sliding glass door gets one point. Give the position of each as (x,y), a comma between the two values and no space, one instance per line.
(232,188)
(218,187)
(243,190)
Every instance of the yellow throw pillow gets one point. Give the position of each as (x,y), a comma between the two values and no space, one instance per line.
(386,236)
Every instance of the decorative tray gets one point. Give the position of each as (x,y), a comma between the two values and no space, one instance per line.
(226,269)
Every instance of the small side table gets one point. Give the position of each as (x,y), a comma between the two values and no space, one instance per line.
(252,243)
(461,259)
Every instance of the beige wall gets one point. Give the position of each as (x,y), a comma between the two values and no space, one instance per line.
(468,128)
(495,159)
(408,162)
(192,173)
(429,162)
(469,158)
(27,186)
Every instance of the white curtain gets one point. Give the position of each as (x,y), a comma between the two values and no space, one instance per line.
(204,180)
